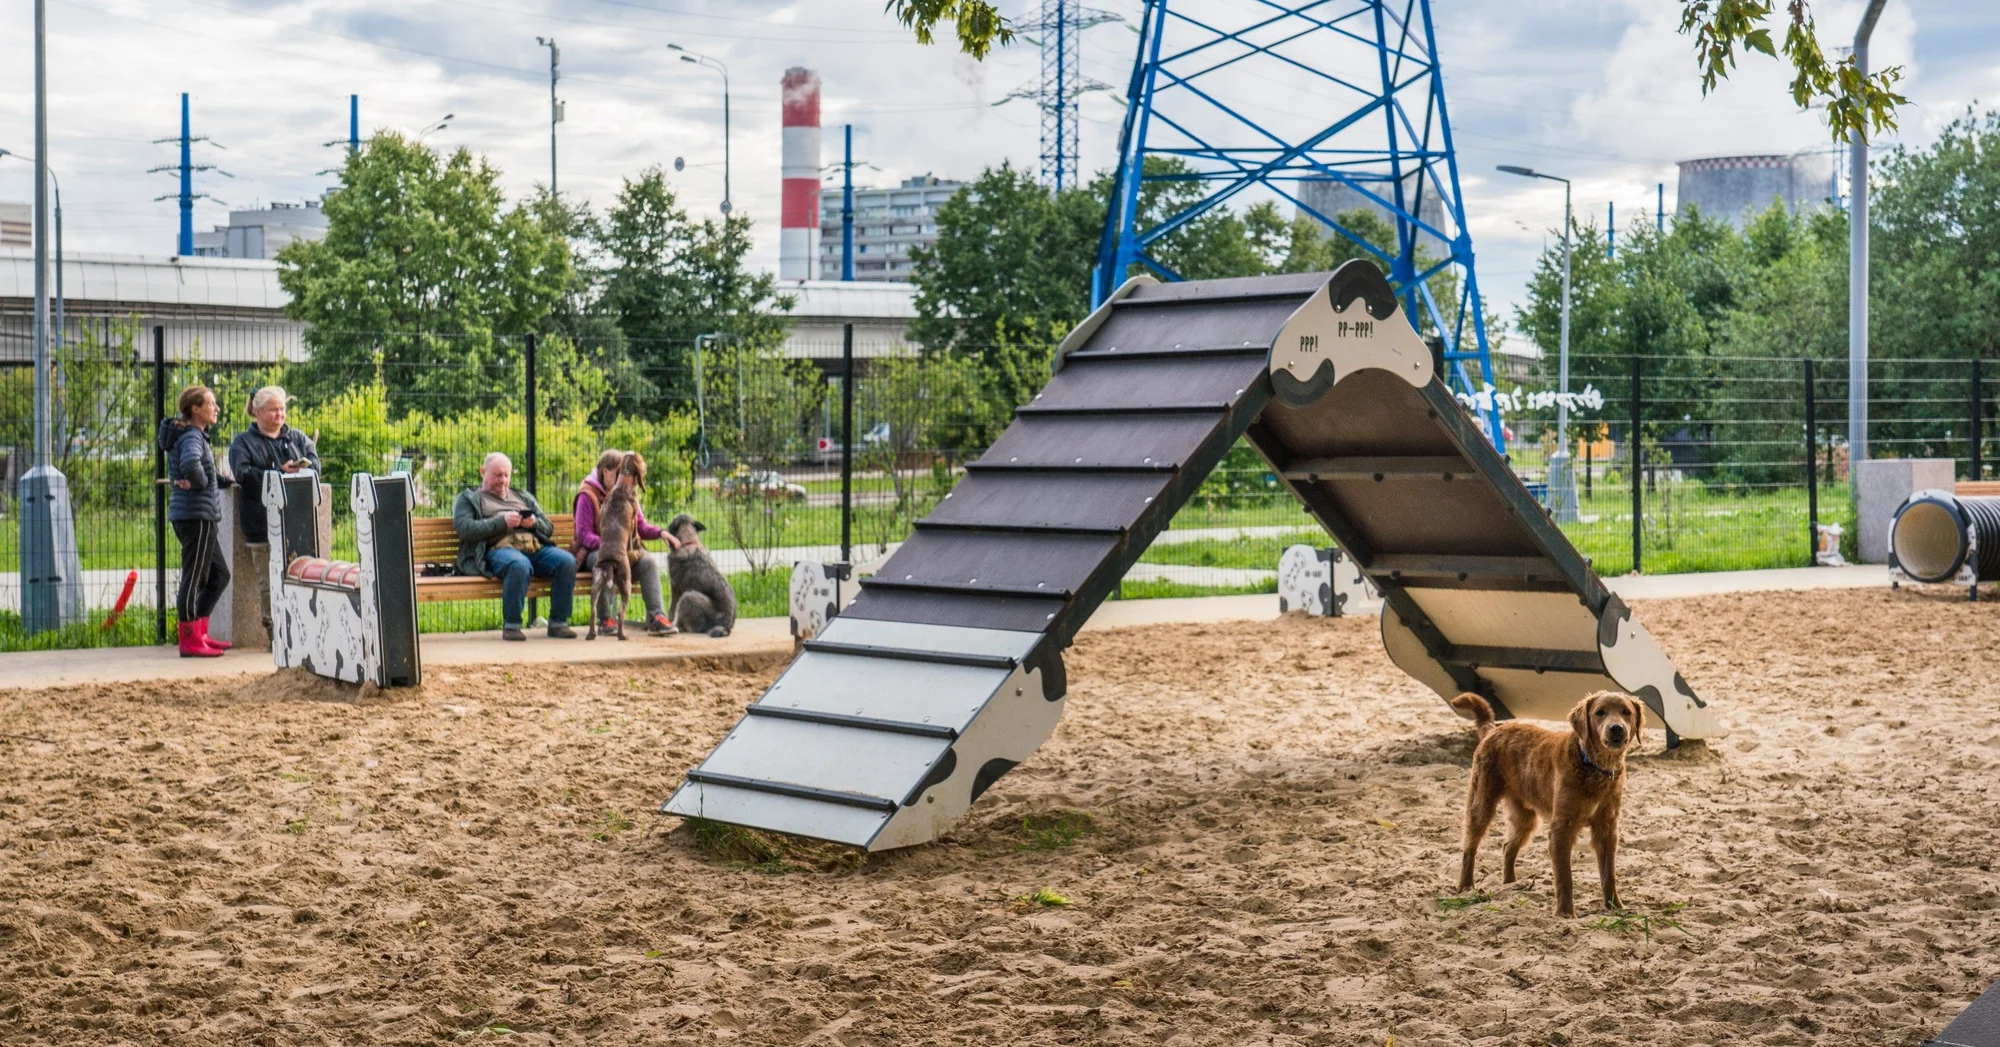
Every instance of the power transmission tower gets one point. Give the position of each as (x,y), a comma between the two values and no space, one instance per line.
(184,244)
(1332,105)
(1059,34)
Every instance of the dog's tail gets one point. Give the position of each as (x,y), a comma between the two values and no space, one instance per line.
(1482,713)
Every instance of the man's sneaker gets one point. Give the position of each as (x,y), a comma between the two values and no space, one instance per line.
(659,626)
(561,631)
(511,633)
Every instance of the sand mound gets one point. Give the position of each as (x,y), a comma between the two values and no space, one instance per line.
(1241,834)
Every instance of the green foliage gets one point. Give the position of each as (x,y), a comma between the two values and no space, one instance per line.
(1856,104)
(980,24)
(446,453)
(425,280)
(933,405)
(669,280)
(1012,262)
(1242,478)
(352,431)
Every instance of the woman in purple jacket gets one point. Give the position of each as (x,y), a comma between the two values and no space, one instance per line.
(646,570)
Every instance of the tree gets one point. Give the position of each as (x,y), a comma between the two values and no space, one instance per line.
(424,280)
(1856,105)
(668,280)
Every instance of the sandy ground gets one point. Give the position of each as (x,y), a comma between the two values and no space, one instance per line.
(1255,826)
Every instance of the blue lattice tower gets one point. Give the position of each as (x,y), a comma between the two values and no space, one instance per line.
(1342,97)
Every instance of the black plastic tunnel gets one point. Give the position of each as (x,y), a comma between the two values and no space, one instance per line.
(1930,538)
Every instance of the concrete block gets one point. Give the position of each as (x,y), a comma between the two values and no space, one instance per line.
(1881,485)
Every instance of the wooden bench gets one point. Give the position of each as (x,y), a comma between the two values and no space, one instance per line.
(436,544)
(1973,488)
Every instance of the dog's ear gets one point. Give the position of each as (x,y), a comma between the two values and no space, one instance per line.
(1638,718)
(1579,717)
(699,526)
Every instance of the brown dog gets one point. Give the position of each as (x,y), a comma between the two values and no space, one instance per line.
(618,531)
(1574,778)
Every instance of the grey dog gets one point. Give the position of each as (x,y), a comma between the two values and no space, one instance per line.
(703,600)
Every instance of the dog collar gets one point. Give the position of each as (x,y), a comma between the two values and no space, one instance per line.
(1590,764)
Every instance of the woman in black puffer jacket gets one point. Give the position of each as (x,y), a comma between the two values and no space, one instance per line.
(195,510)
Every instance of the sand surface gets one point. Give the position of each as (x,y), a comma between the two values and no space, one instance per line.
(1254,825)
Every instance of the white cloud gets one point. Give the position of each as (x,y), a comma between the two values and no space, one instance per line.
(1602,92)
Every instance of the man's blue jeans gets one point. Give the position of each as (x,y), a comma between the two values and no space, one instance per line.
(514,567)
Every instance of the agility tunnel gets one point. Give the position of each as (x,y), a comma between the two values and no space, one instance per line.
(1939,537)
(946,671)
(355,622)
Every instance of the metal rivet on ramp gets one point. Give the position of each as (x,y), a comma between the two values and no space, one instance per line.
(1079,461)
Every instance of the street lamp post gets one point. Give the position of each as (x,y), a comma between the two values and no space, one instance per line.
(51,574)
(715,64)
(57,332)
(1562,480)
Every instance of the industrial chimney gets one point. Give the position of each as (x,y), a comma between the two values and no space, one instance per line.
(798,226)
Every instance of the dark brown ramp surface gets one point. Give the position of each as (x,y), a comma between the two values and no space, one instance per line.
(946,670)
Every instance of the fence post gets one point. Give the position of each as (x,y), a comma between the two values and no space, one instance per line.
(1978,422)
(528,368)
(159,488)
(1812,472)
(1638,486)
(846,443)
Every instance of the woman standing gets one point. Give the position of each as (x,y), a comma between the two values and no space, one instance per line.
(195,510)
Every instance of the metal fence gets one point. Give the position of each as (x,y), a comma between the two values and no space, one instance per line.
(1728,465)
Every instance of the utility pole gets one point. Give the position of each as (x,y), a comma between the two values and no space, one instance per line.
(1857,262)
(51,574)
(1611,229)
(353,124)
(847,208)
(184,243)
(555,106)
(1660,216)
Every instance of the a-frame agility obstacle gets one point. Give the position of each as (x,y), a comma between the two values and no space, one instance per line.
(946,671)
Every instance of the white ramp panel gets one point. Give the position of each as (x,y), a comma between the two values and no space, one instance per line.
(880,735)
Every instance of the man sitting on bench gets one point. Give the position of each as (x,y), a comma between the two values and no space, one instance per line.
(503,534)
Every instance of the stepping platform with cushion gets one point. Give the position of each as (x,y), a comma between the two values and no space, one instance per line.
(946,670)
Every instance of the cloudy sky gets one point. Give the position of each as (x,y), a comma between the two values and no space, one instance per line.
(1603,91)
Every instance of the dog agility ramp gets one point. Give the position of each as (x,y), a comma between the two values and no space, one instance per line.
(1979,1026)
(946,670)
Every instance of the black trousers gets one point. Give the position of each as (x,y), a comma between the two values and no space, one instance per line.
(204,572)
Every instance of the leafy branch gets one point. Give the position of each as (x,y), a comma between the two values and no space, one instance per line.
(1857,104)
(980,24)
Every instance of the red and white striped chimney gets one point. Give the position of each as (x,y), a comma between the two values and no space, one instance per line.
(798,226)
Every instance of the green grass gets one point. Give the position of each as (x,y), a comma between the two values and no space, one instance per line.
(1634,921)
(1254,552)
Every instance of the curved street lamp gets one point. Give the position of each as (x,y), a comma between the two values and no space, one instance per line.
(715,64)
(1562,482)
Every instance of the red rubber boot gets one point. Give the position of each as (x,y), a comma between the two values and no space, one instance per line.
(201,630)
(191,645)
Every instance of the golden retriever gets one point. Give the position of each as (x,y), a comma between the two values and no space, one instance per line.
(1573,778)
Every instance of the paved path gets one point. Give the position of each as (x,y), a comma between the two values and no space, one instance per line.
(764,641)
